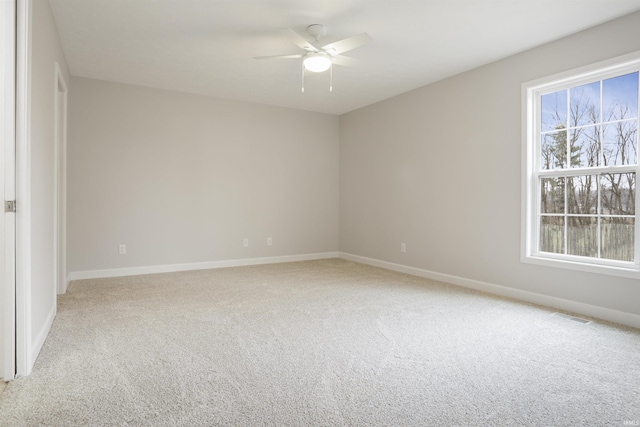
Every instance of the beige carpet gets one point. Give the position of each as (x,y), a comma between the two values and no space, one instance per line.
(320,343)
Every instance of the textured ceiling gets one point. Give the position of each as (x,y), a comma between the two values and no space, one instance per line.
(207,46)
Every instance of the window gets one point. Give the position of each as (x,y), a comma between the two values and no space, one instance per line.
(580,165)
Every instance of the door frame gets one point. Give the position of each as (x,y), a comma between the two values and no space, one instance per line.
(8,192)
(23,332)
(60,182)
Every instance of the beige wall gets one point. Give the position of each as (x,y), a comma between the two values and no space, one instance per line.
(46,51)
(440,169)
(182,178)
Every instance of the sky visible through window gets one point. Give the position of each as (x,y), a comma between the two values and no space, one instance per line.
(616,92)
(599,119)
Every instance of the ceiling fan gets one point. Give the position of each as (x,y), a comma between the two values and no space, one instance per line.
(320,59)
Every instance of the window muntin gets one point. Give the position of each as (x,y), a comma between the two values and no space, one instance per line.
(581,168)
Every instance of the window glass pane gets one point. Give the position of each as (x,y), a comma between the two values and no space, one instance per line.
(618,193)
(585,104)
(617,238)
(585,147)
(582,195)
(552,195)
(552,234)
(582,236)
(554,110)
(620,144)
(553,153)
(620,97)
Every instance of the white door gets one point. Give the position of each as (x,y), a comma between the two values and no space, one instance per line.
(7,188)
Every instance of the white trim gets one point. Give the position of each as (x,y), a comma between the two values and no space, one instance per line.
(530,94)
(24,361)
(37,344)
(608,314)
(586,73)
(7,192)
(134,271)
(60,181)
(603,313)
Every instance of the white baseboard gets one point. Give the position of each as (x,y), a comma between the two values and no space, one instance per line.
(37,344)
(603,313)
(134,271)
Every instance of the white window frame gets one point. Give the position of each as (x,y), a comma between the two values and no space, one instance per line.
(532,92)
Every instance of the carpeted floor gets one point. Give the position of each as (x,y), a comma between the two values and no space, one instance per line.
(319,343)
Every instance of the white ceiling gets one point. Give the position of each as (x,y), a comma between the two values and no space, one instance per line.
(207,46)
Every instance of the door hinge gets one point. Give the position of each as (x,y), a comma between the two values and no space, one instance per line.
(9,205)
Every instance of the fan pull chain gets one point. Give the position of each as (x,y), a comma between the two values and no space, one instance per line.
(303,78)
(331,78)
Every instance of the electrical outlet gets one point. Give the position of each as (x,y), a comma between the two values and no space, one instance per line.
(403,247)
(269,241)
(245,243)
(122,249)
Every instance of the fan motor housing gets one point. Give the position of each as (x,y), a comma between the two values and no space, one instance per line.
(316,31)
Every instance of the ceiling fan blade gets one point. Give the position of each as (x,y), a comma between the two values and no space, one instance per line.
(344,45)
(301,41)
(279,57)
(344,61)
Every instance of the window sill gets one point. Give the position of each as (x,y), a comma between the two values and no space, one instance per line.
(627,270)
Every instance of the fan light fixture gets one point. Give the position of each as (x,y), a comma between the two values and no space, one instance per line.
(317,62)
